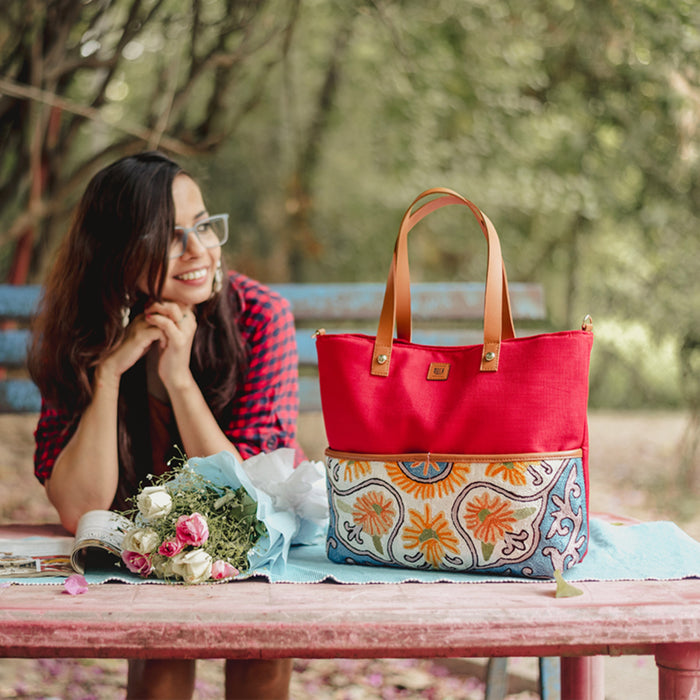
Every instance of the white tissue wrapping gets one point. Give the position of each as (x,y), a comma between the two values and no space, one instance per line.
(292,503)
(301,491)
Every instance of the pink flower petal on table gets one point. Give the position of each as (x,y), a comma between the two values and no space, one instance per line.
(222,569)
(75,585)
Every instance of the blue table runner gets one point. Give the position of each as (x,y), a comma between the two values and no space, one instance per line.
(646,551)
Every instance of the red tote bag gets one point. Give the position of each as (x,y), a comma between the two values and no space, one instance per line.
(508,401)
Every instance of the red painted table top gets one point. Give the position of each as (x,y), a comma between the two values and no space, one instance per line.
(258,619)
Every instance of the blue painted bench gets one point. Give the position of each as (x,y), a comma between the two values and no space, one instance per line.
(443,314)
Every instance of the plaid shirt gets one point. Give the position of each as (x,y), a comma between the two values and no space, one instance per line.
(262,416)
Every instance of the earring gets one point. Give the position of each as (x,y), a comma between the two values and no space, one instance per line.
(218,280)
(126,311)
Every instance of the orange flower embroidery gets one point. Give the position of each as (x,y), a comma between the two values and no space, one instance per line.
(512,472)
(452,477)
(374,512)
(432,535)
(488,519)
(355,469)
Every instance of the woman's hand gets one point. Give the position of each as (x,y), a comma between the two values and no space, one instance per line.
(139,336)
(200,434)
(178,325)
(78,483)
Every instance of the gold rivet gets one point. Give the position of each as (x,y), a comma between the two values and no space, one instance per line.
(381,359)
(490,356)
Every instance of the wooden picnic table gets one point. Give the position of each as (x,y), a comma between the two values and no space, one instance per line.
(257,619)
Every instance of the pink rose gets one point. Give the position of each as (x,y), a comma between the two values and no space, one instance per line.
(170,548)
(137,563)
(192,529)
(222,569)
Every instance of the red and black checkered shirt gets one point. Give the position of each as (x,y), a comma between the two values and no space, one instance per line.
(263,415)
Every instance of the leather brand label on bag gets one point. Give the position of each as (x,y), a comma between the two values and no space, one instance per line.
(438,371)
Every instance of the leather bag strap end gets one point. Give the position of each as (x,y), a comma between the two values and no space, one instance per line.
(381,360)
(489,356)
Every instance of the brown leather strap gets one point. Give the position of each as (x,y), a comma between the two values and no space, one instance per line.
(396,308)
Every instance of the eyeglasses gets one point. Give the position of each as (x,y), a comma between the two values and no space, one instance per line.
(211,233)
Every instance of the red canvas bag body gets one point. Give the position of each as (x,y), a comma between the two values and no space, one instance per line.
(384,396)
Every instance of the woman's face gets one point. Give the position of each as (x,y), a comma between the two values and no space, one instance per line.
(189,278)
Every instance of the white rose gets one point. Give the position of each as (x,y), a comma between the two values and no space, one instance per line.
(141,539)
(192,567)
(154,502)
(163,567)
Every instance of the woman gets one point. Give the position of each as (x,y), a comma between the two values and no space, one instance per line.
(143,342)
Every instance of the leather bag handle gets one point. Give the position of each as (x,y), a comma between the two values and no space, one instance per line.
(396,308)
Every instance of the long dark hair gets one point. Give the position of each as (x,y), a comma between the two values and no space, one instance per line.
(122,228)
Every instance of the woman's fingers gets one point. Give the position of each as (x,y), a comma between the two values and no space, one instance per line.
(138,338)
(178,330)
(177,322)
(169,310)
(178,325)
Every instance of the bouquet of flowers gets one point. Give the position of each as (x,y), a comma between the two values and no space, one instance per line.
(217,518)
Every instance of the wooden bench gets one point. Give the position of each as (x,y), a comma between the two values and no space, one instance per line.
(444,314)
